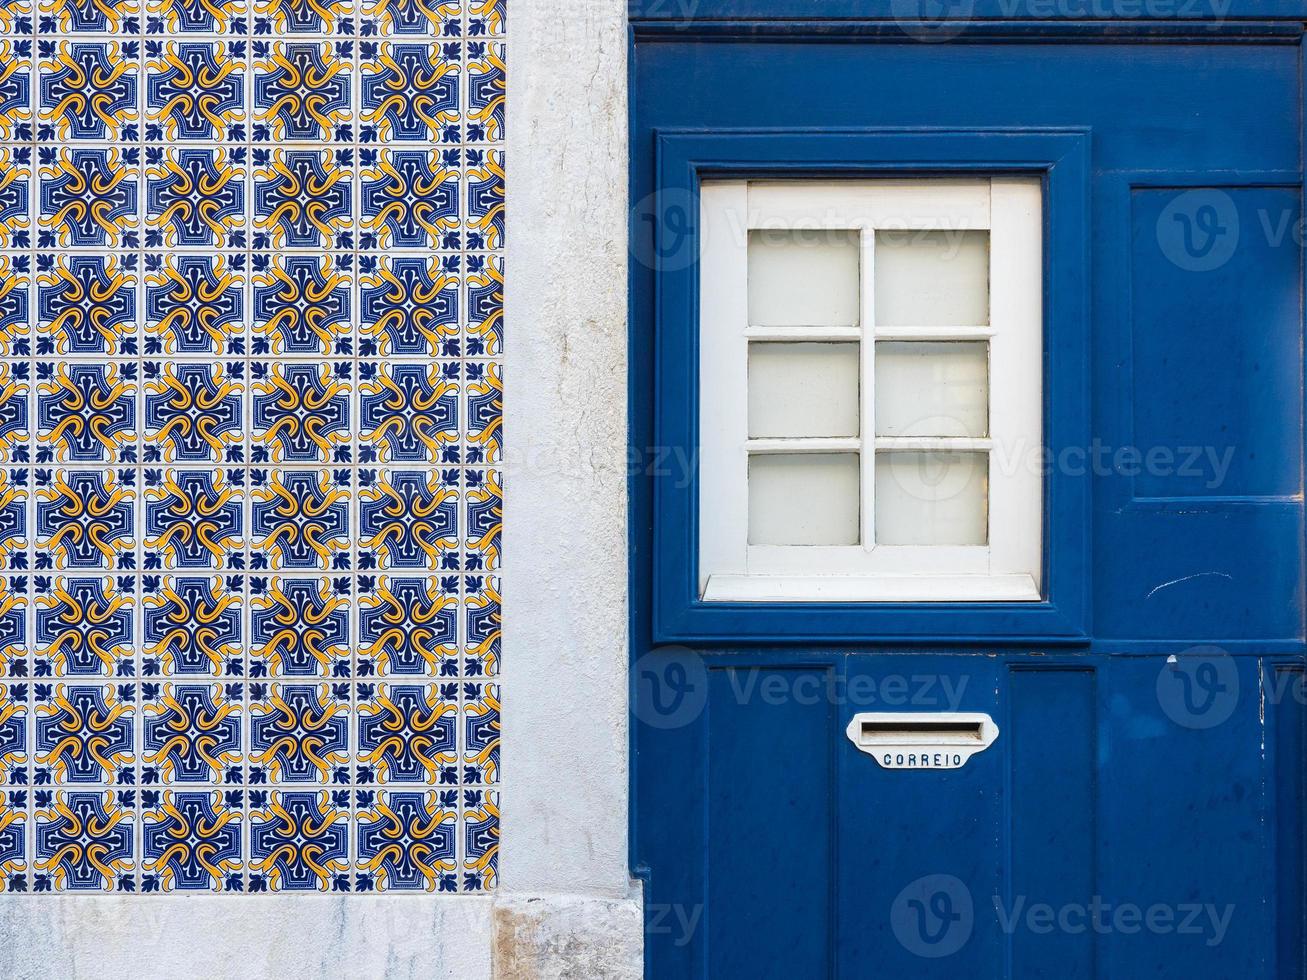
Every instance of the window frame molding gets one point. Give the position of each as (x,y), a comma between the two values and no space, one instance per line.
(683,159)
(1008,567)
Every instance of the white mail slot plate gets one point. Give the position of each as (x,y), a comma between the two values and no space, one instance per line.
(922,739)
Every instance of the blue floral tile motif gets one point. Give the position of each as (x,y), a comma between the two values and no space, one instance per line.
(480,839)
(408,519)
(16,307)
(193,625)
(86,413)
(85,733)
(13,840)
(193,519)
(89,197)
(85,840)
(302,199)
(299,733)
(299,627)
(302,305)
(192,733)
(485,412)
(409,413)
(302,91)
(300,519)
(299,840)
(193,412)
(89,90)
(481,734)
(300,413)
(407,732)
(195,197)
(194,304)
(408,626)
(251,445)
(406,840)
(87,305)
(85,519)
(13,739)
(411,93)
(483,618)
(409,306)
(192,840)
(15,87)
(84,626)
(486,80)
(183,17)
(409,199)
(195,90)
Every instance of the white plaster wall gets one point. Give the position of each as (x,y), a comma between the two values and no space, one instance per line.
(565,545)
(565,905)
(246,936)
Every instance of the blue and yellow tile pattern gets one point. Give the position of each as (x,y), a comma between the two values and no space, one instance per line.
(251,314)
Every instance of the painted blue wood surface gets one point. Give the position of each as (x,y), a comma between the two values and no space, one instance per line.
(796,848)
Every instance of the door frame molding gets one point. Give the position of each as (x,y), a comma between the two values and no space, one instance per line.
(686,158)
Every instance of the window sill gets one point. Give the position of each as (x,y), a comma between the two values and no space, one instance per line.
(881,588)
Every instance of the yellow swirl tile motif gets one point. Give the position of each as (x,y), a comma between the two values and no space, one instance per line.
(251,331)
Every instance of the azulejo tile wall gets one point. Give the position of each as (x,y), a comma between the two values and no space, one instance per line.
(250,329)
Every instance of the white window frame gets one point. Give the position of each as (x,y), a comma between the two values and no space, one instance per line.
(1008,567)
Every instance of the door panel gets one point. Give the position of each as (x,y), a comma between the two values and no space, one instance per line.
(1165,796)
(1105,832)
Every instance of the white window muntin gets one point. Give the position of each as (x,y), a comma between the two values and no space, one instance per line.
(1007,566)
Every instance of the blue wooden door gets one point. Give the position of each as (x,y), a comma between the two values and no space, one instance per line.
(1140,813)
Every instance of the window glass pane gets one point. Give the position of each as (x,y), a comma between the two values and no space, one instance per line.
(803,389)
(803,277)
(932,388)
(936,497)
(804,498)
(932,278)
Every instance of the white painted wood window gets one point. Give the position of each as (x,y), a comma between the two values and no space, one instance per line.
(871,390)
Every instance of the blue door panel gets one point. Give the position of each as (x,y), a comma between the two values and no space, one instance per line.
(1161,118)
(1184,818)
(1107,798)
(795,853)
(1286,757)
(885,930)
(1171,107)
(1053,809)
(771,835)
(1215,328)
